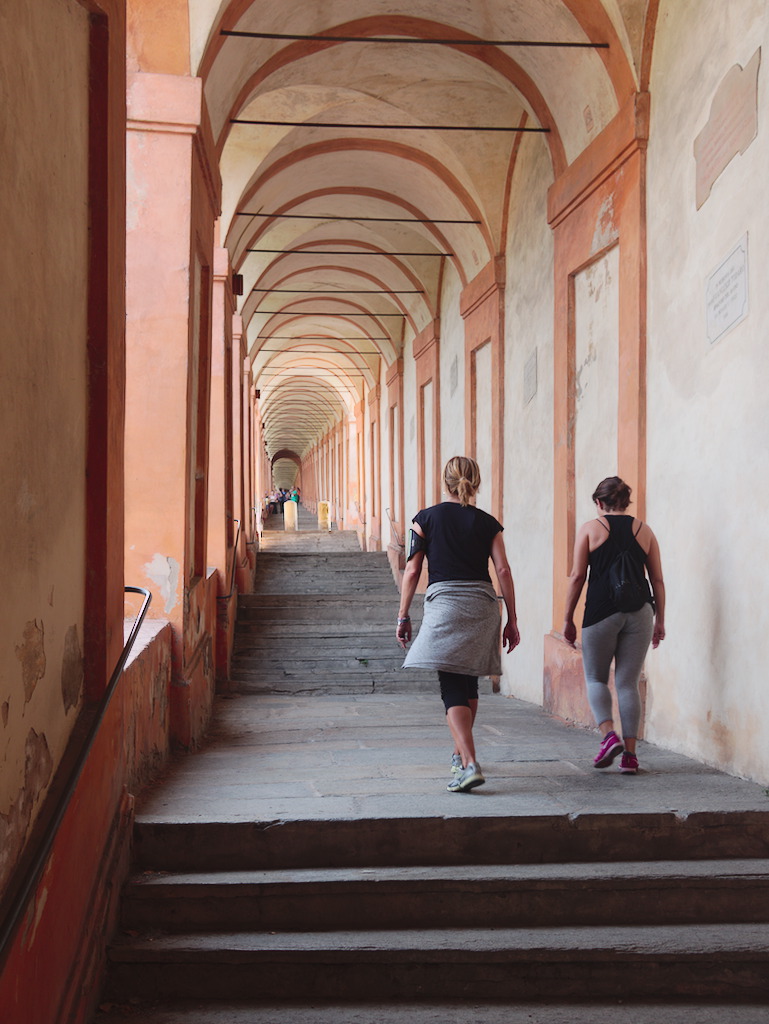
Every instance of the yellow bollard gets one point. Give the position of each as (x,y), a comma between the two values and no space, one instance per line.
(324,520)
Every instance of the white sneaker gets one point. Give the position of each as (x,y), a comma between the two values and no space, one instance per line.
(469,778)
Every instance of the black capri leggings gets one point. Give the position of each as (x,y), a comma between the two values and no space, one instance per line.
(457,691)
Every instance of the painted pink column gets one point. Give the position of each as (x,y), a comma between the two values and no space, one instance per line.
(220,533)
(169,252)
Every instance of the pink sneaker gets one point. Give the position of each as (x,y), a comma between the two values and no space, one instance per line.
(611,747)
(629,764)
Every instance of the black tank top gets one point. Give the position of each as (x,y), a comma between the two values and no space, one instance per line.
(598,603)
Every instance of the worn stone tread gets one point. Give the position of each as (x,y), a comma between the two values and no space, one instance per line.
(435,1013)
(675,942)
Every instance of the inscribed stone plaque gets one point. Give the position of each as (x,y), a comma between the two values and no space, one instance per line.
(732,125)
(530,378)
(726,294)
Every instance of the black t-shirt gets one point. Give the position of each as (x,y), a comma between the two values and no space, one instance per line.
(458,541)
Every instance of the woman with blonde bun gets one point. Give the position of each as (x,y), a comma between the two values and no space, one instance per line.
(608,633)
(459,635)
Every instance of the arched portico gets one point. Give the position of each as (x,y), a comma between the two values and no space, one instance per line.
(365,245)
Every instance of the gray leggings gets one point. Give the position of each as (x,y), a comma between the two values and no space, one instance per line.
(625,637)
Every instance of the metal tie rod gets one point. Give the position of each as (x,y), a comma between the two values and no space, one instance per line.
(385,220)
(392,127)
(411,41)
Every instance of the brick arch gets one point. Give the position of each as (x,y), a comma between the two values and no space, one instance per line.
(286,453)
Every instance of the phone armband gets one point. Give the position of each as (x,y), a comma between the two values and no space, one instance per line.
(416,543)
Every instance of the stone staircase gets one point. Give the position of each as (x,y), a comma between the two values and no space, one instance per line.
(474,912)
(323,622)
(480,910)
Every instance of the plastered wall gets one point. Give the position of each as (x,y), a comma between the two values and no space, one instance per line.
(528,429)
(453,370)
(43,367)
(708,415)
(410,468)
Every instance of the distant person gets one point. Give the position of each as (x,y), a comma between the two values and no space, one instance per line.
(609,634)
(459,635)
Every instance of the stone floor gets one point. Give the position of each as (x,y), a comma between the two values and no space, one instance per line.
(329,757)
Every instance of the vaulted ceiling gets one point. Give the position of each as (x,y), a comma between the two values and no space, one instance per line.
(344,215)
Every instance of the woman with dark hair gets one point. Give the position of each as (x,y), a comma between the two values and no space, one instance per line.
(459,635)
(607,633)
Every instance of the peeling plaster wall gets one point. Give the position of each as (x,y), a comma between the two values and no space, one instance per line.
(453,371)
(596,315)
(384,456)
(410,468)
(528,431)
(43,375)
(708,457)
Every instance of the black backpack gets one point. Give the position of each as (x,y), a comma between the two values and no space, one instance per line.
(628,586)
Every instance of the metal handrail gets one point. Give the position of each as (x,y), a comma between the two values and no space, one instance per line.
(37,866)
(393,531)
(226,597)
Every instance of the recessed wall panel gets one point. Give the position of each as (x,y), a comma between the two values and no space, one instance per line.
(596,327)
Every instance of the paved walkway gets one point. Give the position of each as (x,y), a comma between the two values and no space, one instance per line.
(326,757)
(278,758)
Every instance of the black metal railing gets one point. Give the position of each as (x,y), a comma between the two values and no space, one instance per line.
(398,540)
(36,867)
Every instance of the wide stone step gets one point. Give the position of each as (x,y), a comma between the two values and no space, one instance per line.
(300,569)
(289,633)
(543,963)
(203,846)
(477,896)
(297,663)
(429,1012)
(312,566)
(381,637)
(337,684)
(363,609)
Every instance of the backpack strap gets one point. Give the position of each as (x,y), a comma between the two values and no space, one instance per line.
(603,524)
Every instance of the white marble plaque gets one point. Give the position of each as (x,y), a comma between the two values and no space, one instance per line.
(726,294)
